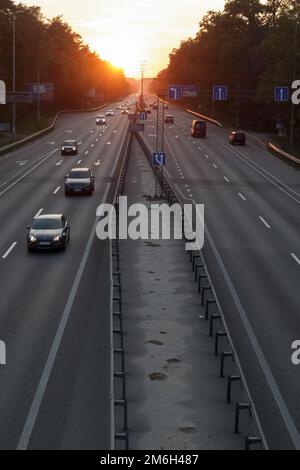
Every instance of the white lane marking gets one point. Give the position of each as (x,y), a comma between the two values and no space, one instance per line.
(97,163)
(92,145)
(22,162)
(264,222)
(9,250)
(86,152)
(108,143)
(200,148)
(27,172)
(97,139)
(214,165)
(79,161)
(242,197)
(295,258)
(206,156)
(226,179)
(38,213)
(51,143)
(57,189)
(43,382)
(69,131)
(59,163)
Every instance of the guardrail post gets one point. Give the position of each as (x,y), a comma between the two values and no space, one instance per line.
(231,378)
(123,437)
(213,317)
(200,277)
(240,407)
(208,303)
(219,334)
(250,441)
(224,355)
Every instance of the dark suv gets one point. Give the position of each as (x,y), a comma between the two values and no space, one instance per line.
(238,138)
(79,181)
(198,128)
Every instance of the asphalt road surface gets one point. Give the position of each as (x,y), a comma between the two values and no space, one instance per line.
(54,307)
(252,207)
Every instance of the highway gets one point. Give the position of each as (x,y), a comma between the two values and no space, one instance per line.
(54,307)
(252,250)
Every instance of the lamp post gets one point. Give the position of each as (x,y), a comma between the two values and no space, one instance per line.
(297,22)
(14,16)
(142,66)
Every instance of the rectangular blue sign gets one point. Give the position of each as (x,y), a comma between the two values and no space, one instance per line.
(220,92)
(281,93)
(159,159)
(175,92)
(44,90)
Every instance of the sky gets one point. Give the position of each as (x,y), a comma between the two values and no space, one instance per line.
(128,32)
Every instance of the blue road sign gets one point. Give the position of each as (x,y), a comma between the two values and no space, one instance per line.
(159,159)
(220,92)
(190,91)
(42,91)
(143,116)
(281,93)
(175,92)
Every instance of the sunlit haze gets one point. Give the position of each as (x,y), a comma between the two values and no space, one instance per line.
(126,32)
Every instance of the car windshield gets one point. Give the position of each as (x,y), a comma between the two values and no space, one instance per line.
(47,224)
(79,174)
(101,117)
(69,142)
(199,125)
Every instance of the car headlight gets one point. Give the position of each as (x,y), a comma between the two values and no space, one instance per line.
(32,238)
(57,238)
(74,148)
(63,148)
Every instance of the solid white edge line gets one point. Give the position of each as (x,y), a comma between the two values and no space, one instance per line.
(9,250)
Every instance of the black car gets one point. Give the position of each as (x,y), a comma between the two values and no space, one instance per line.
(48,231)
(169,119)
(238,138)
(79,181)
(69,147)
(198,128)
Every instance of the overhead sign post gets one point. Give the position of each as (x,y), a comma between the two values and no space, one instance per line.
(281,94)
(2,92)
(175,92)
(159,159)
(220,93)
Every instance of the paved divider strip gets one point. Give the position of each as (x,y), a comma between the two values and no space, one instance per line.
(31,137)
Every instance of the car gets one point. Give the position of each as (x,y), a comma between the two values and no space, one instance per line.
(79,181)
(48,231)
(238,138)
(118,106)
(155,106)
(124,111)
(169,119)
(109,112)
(69,147)
(198,128)
(100,120)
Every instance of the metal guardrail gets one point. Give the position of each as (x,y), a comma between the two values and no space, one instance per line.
(116,300)
(31,137)
(206,118)
(208,299)
(282,153)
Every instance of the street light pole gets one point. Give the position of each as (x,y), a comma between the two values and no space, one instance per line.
(297,22)
(142,65)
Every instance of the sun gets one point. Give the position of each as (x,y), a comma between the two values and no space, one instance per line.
(121,53)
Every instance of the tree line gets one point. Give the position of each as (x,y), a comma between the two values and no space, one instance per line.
(251,46)
(59,55)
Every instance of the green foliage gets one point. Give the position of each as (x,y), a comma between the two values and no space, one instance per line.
(59,53)
(249,46)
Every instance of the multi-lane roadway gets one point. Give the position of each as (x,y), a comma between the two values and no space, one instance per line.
(54,307)
(252,249)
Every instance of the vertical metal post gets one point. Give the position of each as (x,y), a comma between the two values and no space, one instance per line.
(297,22)
(38,86)
(14,76)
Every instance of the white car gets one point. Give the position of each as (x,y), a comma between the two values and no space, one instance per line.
(109,112)
(100,120)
